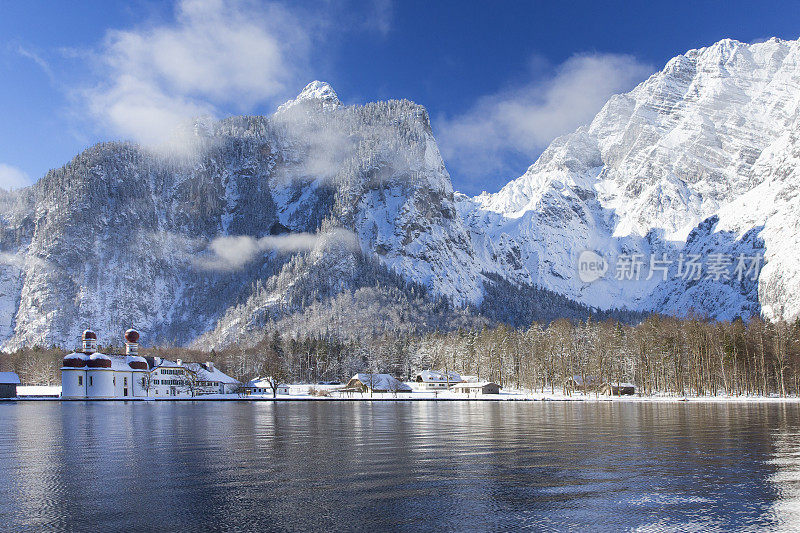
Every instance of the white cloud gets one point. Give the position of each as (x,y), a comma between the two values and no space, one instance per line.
(216,54)
(36,58)
(234,252)
(13,178)
(380,16)
(524,120)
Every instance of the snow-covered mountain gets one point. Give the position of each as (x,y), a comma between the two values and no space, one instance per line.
(698,159)
(122,235)
(262,218)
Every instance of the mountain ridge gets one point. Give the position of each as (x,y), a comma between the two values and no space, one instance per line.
(114,238)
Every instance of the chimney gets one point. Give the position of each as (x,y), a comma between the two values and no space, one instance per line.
(132,342)
(210,366)
(179,362)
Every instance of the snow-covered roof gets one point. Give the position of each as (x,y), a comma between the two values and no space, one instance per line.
(262,383)
(120,363)
(381,382)
(578,380)
(9,378)
(434,376)
(212,373)
(204,371)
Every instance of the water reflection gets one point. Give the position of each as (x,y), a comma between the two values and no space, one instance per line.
(398,465)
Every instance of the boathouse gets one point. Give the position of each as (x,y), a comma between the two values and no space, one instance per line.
(8,384)
(476,388)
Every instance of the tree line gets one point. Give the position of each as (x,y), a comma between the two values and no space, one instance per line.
(660,355)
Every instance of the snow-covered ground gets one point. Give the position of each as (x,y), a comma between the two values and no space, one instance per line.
(38,390)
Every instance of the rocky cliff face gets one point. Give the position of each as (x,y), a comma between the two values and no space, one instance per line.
(255,219)
(711,135)
(124,236)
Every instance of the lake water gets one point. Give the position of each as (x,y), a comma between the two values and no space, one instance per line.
(416,466)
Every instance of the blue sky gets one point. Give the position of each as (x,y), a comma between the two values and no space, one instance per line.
(499,79)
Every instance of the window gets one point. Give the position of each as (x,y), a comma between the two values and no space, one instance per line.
(90,381)
(80,381)
(124,382)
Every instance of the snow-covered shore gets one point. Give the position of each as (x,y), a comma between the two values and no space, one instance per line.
(303,393)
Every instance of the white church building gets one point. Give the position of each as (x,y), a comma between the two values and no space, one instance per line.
(93,375)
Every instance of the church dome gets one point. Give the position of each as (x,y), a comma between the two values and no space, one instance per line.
(132,335)
(137,363)
(99,360)
(75,360)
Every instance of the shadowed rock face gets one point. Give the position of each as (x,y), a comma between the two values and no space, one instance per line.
(113,238)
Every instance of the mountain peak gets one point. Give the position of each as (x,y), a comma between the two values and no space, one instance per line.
(316,91)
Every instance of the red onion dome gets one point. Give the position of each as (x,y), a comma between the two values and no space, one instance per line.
(99,360)
(88,334)
(137,363)
(75,360)
(132,336)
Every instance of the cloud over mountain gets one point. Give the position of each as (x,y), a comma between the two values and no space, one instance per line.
(525,119)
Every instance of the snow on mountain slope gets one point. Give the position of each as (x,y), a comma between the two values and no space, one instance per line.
(700,159)
(112,239)
(689,143)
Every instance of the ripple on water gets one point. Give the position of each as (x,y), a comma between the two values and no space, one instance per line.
(386,466)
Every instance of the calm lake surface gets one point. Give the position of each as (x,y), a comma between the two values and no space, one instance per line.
(226,466)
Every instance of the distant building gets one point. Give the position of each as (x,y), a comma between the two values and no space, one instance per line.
(264,386)
(618,389)
(177,378)
(376,383)
(93,375)
(429,380)
(8,384)
(579,384)
(477,387)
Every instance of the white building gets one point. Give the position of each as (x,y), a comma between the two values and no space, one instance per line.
(94,375)
(429,380)
(477,387)
(177,378)
(91,374)
(261,386)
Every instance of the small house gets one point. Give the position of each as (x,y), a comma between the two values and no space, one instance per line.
(264,386)
(580,384)
(433,380)
(477,387)
(8,384)
(258,386)
(618,389)
(376,383)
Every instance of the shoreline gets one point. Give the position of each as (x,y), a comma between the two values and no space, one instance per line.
(428,398)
